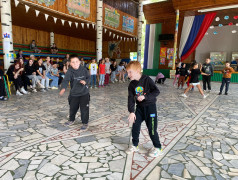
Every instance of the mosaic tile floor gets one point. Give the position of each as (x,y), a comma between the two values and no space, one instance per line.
(199,137)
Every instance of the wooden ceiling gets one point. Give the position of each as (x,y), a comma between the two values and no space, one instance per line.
(165,11)
(29,20)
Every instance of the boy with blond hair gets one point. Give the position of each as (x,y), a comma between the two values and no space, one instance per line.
(142,91)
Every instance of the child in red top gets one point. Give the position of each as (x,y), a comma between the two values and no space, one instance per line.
(102,73)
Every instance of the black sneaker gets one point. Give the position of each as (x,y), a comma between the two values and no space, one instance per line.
(3,99)
(69,123)
(219,93)
(226,93)
(84,127)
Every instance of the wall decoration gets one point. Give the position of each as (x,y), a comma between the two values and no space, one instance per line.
(215,32)
(170,53)
(163,52)
(79,7)
(162,60)
(112,17)
(230,24)
(46,2)
(128,24)
(170,64)
(217,19)
(113,47)
(220,25)
(226,17)
(235,17)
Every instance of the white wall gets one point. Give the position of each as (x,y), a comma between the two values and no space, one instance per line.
(224,41)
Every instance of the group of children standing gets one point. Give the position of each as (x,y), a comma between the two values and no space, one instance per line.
(106,70)
(192,77)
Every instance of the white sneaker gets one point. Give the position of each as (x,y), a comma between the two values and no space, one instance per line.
(155,152)
(23,91)
(205,96)
(116,80)
(123,81)
(132,149)
(184,95)
(18,93)
(41,86)
(54,87)
(34,90)
(120,81)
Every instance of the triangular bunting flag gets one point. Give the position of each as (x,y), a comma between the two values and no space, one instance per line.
(16,3)
(117,36)
(62,21)
(46,16)
(27,8)
(82,25)
(76,24)
(55,19)
(110,33)
(87,25)
(121,37)
(131,39)
(105,30)
(70,23)
(37,13)
(93,25)
(124,38)
(114,35)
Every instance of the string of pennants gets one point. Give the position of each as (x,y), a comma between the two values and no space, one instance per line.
(76,23)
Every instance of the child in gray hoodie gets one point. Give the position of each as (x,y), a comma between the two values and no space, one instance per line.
(79,77)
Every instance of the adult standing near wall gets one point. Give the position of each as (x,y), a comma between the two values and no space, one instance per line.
(207,68)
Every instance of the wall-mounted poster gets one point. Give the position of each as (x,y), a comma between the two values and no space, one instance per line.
(112,17)
(218,58)
(128,24)
(163,51)
(170,64)
(162,60)
(113,47)
(46,2)
(170,53)
(79,7)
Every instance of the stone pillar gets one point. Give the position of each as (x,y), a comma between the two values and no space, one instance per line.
(139,31)
(99,29)
(7,40)
(52,38)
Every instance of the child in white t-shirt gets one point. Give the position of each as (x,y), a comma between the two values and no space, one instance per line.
(93,72)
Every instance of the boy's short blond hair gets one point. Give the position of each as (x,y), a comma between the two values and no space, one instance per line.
(135,65)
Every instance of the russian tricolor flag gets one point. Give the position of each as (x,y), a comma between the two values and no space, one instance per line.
(194,29)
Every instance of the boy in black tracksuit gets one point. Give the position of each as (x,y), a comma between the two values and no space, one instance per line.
(78,76)
(208,69)
(2,87)
(143,91)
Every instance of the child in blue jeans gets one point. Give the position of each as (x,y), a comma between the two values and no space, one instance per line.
(93,68)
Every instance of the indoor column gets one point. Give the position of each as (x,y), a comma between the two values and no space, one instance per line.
(139,31)
(99,29)
(7,40)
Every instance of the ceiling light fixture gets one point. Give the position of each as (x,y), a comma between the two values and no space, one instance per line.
(218,8)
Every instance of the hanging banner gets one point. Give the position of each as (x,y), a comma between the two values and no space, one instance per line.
(162,60)
(128,24)
(170,53)
(46,2)
(112,17)
(163,51)
(79,8)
